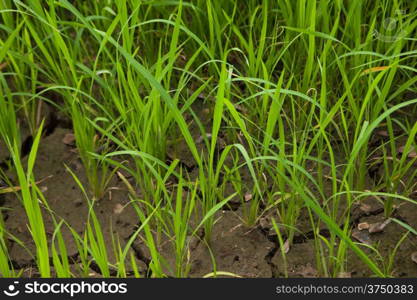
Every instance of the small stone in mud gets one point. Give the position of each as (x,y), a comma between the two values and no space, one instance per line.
(118,209)
(286,246)
(69,139)
(248,197)
(383,133)
(363,225)
(78,202)
(265,223)
(414,257)
(76,165)
(362,236)
(365,207)
(411,151)
(378,227)
(201,138)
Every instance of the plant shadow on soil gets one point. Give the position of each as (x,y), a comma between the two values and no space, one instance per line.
(247,252)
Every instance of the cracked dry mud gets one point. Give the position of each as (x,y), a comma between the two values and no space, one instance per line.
(247,252)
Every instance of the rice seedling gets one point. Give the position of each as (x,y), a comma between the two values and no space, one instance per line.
(295,117)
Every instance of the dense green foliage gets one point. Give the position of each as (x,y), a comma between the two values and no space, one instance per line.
(294,93)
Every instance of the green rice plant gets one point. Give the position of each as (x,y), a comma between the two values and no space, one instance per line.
(181,221)
(29,196)
(59,254)
(331,254)
(92,246)
(294,94)
(207,180)
(6,269)
(156,264)
(282,247)
(10,134)
(389,267)
(97,245)
(313,206)
(21,68)
(399,171)
(88,143)
(8,121)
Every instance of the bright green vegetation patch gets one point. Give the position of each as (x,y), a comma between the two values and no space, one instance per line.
(295,115)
